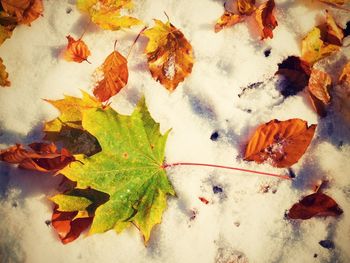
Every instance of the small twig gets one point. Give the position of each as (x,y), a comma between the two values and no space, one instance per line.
(115,45)
(133,44)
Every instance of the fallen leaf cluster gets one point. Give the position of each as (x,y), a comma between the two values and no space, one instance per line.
(264,16)
(113,165)
(300,73)
(121,185)
(12,14)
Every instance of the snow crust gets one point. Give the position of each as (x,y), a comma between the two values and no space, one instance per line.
(243,223)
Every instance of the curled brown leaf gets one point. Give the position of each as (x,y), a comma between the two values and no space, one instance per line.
(266,19)
(39,157)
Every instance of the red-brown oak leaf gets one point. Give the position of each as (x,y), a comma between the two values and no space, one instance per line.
(333,34)
(281,142)
(316,204)
(115,76)
(76,50)
(38,156)
(67,227)
(266,19)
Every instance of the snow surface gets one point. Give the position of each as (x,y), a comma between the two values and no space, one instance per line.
(241,223)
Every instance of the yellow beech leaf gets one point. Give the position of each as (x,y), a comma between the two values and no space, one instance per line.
(106,13)
(228,19)
(110,21)
(169,54)
(246,7)
(3,75)
(313,48)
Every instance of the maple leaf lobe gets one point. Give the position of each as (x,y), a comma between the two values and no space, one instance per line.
(137,186)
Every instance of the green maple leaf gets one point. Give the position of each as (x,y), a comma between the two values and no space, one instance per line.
(129,169)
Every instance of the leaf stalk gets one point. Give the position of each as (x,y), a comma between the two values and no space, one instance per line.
(169,165)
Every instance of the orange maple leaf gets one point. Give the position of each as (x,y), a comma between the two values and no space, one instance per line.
(115,76)
(318,86)
(39,157)
(281,142)
(265,19)
(76,50)
(25,11)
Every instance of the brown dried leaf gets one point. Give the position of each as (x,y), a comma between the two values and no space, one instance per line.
(334,33)
(281,142)
(5,32)
(115,76)
(319,84)
(25,11)
(67,226)
(265,19)
(4,82)
(316,204)
(39,157)
(228,19)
